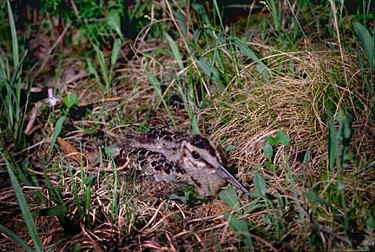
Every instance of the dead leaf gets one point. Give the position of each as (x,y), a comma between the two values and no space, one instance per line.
(69,149)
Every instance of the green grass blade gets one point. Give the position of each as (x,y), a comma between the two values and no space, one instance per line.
(332,145)
(156,84)
(14,36)
(114,56)
(103,66)
(93,71)
(367,42)
(194,124)
(17,72)
(3,72)
(295,194)
(260,185)
(175,51)
(114,202)
(113,20)
(14,237)
(313,198)
(201,12)
(361,67)
(210,71)
(75,190)
(241,228)
(28,218)
(56,132)
(88,186)
(271,6)
(245,49)
(218,14)
(16,82)
(182,23)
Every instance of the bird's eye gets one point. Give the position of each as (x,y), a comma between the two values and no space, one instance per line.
(195,155)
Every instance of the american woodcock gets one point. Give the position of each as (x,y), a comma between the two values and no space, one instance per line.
(177,157)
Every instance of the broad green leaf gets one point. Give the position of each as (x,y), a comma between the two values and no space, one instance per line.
(70,100)
(229,196)
(229,148)
(314,198)
(272,140)
(270,166)
(111,151)
(282,137)
(268,150)
(183,199)
(58,211)
(76,246)
(90,179)
(260,185)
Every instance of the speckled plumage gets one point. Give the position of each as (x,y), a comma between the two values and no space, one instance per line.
(177,157)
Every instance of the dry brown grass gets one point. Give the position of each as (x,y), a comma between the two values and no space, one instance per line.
(295,102)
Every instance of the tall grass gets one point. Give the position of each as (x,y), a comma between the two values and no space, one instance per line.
(11,114)
(28,218)
(368,44)
(12,117)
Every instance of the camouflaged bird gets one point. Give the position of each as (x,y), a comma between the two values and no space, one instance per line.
(177,157)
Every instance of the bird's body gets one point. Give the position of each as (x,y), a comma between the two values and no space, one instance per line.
(177,157)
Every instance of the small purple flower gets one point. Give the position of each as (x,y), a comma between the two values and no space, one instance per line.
(51,100)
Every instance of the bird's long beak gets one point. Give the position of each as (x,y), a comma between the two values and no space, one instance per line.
(229,177)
